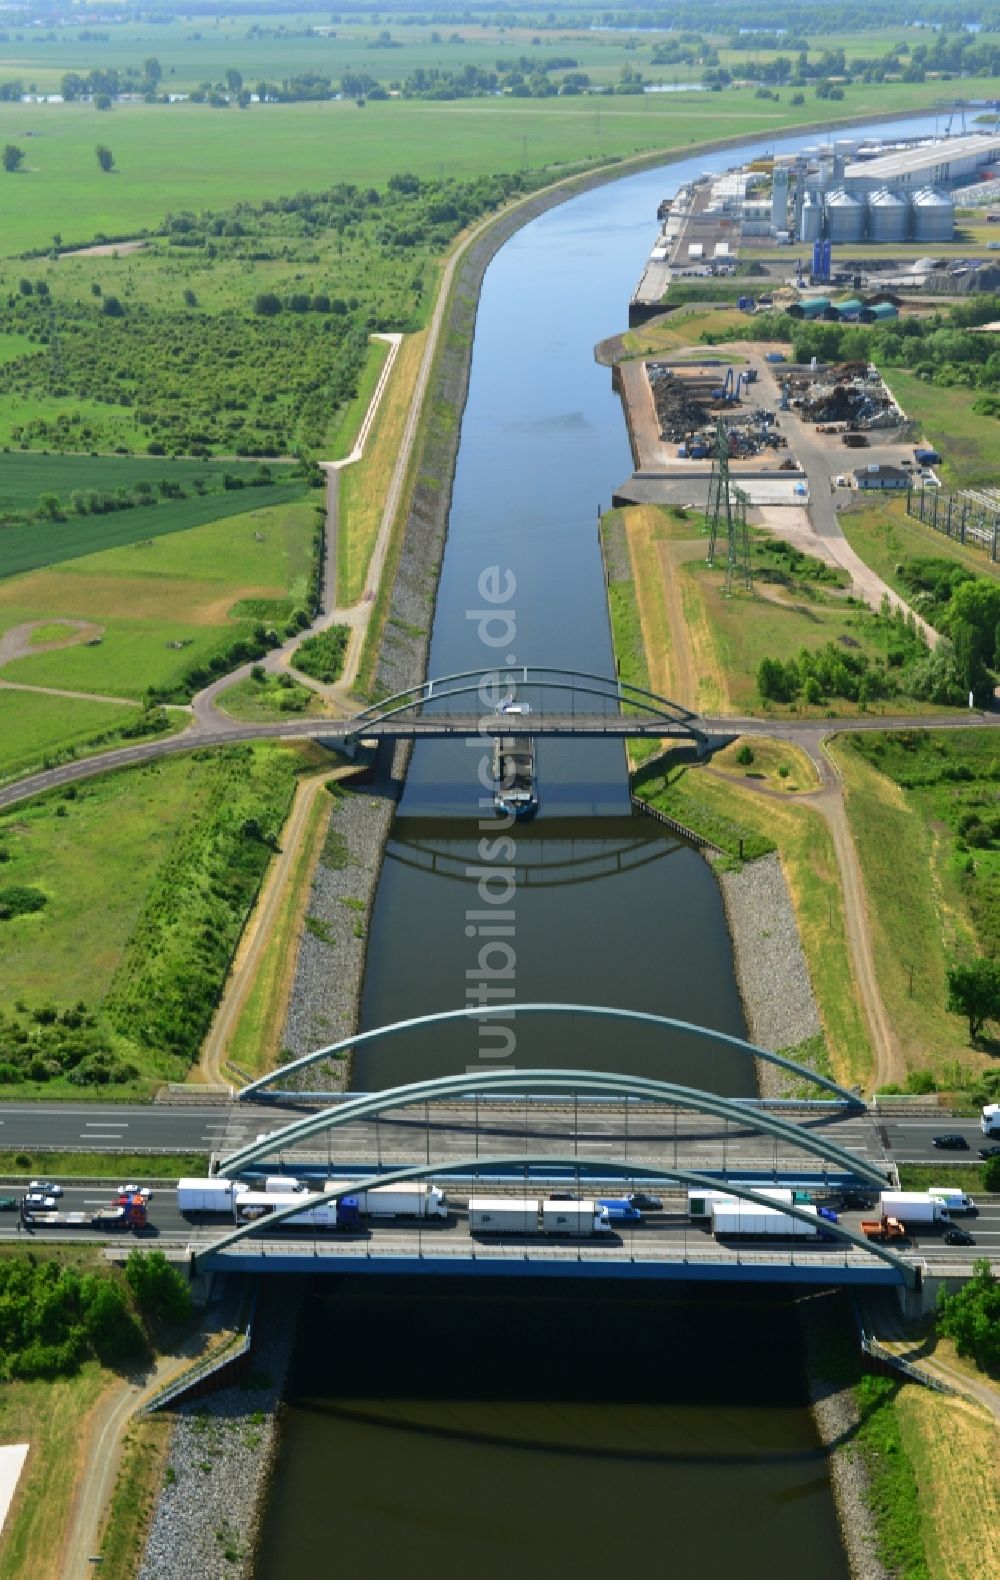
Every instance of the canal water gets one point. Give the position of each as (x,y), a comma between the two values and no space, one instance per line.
(556,1431)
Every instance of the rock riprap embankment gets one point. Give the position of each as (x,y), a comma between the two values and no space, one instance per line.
(771,968)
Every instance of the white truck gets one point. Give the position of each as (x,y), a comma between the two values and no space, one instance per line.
(989,1120)
(913,1207)
(210,1195)
(951,1197)
(503,1215)
(253,1204)
(418,1200)
(578,1218)
(732,1219)
(701,1202)
(525,1215)
(282,1184)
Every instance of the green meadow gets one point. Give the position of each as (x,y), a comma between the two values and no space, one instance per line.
(163,604)
(189,156)
(33,727)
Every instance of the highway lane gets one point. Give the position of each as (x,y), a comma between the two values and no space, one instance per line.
(458,1129)
(668,1232)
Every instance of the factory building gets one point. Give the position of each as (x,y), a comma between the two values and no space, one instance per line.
(897,195)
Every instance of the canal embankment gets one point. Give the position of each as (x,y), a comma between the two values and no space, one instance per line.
(207,1517)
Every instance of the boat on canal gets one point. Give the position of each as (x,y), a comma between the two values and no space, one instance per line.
(515,790)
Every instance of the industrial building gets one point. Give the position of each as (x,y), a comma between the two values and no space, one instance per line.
(905,194)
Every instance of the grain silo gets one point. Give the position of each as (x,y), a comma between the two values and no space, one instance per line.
(811,217)
(888,216)
(779,199)
(933,216)
(844,217)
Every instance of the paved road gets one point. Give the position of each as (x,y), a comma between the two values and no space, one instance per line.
(402,1138)
(668,1233)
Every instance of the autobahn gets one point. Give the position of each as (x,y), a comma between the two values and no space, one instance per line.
(666,1234)
(625,1131)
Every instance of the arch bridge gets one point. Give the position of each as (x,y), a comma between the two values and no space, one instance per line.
(562,702)
(501,1012)
(598,1083)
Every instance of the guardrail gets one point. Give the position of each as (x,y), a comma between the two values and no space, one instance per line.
(209,1371)
(703,843)
(884,1357)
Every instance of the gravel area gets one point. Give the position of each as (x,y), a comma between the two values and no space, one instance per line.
(836,1417)
(326,992)
(770,967)
(215,1488)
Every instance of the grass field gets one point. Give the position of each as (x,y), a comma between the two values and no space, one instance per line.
(725,810)
(344,432)
(966,441)
(101,1165)
(682,328)
(33,728)
(884,535)
(257,701)
(141,849)
(30,546)
(194,588)
(953,1448)
(256,1040)
(192,156)
(364,485)
(49,1416)
(919,919)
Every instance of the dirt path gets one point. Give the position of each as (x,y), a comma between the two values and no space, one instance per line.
(74,696)
(17,643)
(258,931)
(684,674)
(828,800)
(100,1455)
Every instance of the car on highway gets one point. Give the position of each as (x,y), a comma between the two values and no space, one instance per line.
(45,1187)
(645,1202)
(35,1199)
(957,1236)
(990,1152)
(8,1203)
(136,1190)
(855,1201)
(952,1142)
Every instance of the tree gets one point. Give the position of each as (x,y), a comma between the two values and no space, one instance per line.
(12,158)
(102,101)
(991,1175)
(152,72)
(105,158)
(975,991)
(971,1316)
(234,80)
(158,1289)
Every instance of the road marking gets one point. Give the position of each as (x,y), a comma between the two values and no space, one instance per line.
(106,1124)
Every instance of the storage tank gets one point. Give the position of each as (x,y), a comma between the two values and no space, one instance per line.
(888,216)
(811,216)
(844,147)
(844,217)
(779,200)
(933,216)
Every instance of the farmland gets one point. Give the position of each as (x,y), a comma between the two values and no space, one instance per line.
(35,729)
(169,856)
(167,604)
(191,156)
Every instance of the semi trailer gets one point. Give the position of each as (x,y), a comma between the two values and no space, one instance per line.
(527,1215)
(209,1195)
(743,1219)
(913,1207)
(397,1201)
(340,1214)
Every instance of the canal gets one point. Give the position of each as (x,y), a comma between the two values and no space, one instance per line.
(553,1430)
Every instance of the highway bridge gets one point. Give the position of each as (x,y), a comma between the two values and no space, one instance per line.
(528,1132)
